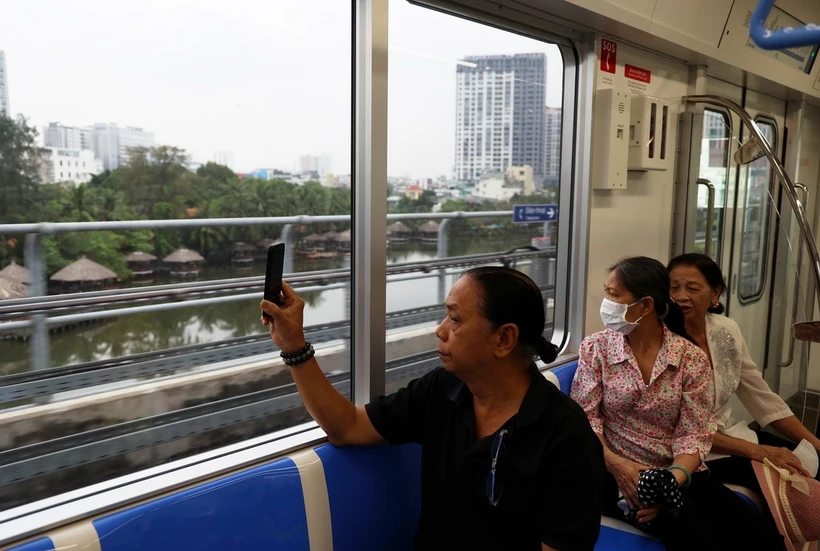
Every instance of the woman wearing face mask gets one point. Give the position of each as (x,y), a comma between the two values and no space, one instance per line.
(645,389)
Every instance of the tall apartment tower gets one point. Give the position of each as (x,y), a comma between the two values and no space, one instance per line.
(111,143)
(552,146)
(500,103)
(4,86)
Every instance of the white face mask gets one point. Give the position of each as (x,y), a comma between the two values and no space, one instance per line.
(613,314)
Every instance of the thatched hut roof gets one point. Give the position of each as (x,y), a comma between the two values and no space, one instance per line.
(243,246)
(11,289)
(84,270)
(265,243)
(15,272)
(343,236)
(183,256)
(139,256)
(398,227)
(331,236)
(314,237)
(430,226)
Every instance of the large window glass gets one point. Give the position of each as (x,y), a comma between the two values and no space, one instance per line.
(712,185)
(757,209)
(178,111)
(475,118)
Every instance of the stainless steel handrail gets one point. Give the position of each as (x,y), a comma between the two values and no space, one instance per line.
(788,362)
(710,213)
(785,181)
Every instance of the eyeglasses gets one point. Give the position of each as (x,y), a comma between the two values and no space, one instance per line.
(493,489)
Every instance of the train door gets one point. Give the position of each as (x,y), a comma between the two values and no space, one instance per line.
(728,211)
(753,228)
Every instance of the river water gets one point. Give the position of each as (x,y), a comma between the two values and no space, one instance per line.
(148,332)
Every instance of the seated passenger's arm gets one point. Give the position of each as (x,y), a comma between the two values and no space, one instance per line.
(545,547)
(587,385)
(697,422)
(344,423)
(729,445)
(794,430)
(756,396)
(587,391)
(570,490)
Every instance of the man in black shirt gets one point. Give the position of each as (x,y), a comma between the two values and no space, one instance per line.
(508,461)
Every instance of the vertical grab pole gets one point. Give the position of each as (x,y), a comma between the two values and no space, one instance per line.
(710,214)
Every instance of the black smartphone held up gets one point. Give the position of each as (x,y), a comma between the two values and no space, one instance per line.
(273,274)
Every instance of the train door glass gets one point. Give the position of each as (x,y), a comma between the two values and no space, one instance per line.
(750,266)
(755,219)
(713,177)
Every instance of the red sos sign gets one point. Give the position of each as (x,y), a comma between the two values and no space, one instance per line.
(608,56)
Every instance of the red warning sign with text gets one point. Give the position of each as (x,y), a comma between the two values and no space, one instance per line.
(636,73)
(609,51)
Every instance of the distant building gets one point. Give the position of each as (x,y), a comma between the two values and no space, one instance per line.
(4,86)
(552,146)
(66,137)
(68,165)
(224,158)
(500,103)
(111,143)
(518,180)
(319,164)
(414,192)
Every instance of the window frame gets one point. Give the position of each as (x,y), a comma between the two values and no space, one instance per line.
(579,56)
(745,300)
(369,40)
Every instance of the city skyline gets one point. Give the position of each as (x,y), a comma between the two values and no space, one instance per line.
(267,83)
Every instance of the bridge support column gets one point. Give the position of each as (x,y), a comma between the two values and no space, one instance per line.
(39,344)
(442,253)
(287,238)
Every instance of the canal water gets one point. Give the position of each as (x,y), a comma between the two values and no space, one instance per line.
(148,332)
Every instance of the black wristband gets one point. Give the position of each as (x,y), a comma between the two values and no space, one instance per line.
(299,357)
(286,355)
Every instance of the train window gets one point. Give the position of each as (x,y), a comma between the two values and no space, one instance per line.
(714,166)
(437,166)
(222,110)
(756,217)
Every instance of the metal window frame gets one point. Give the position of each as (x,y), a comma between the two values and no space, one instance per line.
(369,183)
(766,234)
(369,171)
(578,52)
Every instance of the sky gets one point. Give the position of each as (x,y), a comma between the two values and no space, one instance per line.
(266,80)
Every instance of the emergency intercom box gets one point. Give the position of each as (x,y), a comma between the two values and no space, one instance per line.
(650,134)
(611,141)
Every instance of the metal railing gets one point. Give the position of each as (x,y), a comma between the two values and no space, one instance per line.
(43,311)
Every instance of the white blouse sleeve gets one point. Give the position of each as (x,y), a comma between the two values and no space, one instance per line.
(763,404)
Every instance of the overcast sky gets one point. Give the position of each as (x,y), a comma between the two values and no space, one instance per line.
(266,80)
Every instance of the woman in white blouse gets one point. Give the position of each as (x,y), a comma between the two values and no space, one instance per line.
(697,284)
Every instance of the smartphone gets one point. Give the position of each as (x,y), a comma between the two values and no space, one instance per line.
(273,274)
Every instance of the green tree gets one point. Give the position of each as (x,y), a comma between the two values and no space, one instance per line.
(216,172)
(154,175)
(19,169)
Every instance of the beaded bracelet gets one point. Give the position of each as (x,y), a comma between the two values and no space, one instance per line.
(299,357)
(682,469)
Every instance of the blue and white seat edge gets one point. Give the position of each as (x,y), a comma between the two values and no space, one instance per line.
(314,499)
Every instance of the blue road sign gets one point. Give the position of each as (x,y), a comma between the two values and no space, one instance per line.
(523,214)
